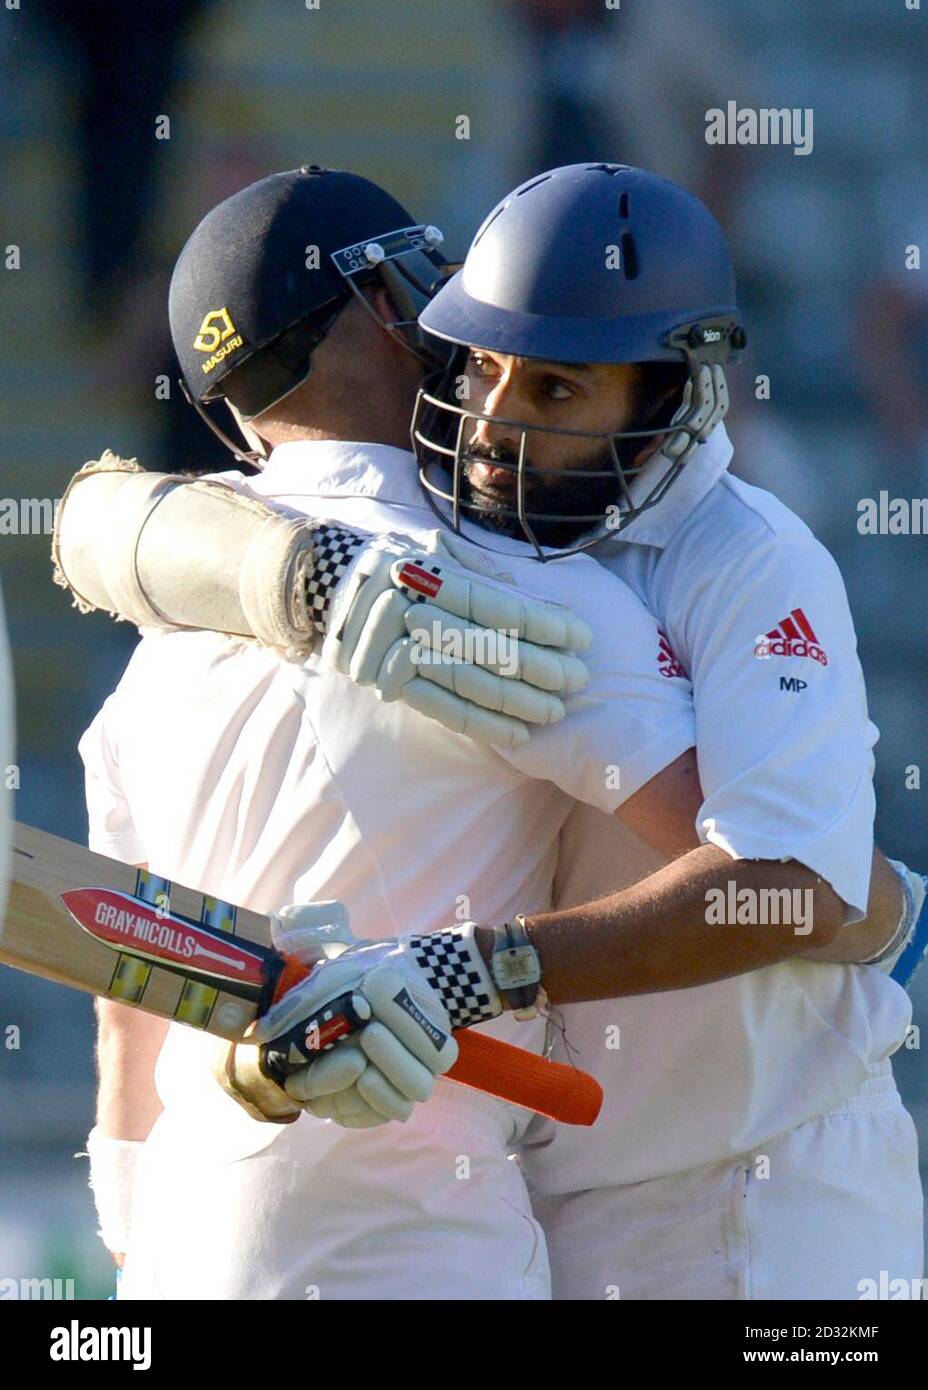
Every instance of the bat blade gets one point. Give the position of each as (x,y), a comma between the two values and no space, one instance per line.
(187,956)
(155,934)
(63,925)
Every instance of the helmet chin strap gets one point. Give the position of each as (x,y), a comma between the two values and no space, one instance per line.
(258,445)
(255,457)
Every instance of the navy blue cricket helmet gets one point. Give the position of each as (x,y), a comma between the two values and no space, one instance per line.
(590,263)
(266,273)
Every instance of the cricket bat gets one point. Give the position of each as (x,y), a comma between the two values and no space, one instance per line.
(110,929)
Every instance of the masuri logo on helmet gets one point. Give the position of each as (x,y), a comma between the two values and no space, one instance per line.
(249,254)
(218,337)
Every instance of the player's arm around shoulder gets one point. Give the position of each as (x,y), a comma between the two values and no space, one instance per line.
(174,553)
(783,735)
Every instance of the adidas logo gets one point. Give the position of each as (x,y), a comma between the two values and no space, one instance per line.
(667,658)
(793,636)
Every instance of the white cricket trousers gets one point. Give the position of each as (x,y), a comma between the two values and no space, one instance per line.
(431,1209)
(830,1210)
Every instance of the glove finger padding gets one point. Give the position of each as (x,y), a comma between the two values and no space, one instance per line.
(448,586)
(413,1014)
(461,717)
(500,651)
(496,693)
(393,1059)
(513,692)
(374,1088)
(348,1109)
(332,1071)
(386,624)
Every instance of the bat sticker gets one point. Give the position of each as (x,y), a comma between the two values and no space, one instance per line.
(132,927)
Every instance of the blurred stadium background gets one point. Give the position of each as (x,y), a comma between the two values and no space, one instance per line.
(99,208)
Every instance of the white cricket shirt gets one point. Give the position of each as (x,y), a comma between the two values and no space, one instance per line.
(755,611)
(266,782)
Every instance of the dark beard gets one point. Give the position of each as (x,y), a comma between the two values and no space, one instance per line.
(495,507)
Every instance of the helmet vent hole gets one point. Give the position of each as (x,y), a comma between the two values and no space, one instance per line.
(629,256)
(534,184)
(489,222)
(623,205)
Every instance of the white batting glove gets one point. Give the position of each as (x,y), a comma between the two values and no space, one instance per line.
(478,657)
(404,1039)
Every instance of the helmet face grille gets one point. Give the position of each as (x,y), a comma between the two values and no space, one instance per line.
(442,431)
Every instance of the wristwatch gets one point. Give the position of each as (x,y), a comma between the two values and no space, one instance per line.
(515,967)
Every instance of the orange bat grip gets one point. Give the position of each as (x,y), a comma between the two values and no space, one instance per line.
(523,1078)
(509,1073)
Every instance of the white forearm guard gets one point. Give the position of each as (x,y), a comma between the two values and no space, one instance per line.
(215,558)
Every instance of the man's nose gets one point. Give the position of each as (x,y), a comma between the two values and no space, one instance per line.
(491,430)
(492,435)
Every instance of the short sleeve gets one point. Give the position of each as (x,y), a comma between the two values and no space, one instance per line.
(784,742)
(634,718)
(112,830)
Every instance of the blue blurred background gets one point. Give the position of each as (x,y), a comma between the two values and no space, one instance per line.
(99,208)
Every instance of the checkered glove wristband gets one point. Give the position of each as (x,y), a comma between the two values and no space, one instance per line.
(334,548)
(452,964)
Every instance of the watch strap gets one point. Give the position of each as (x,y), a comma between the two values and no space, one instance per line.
(512,944)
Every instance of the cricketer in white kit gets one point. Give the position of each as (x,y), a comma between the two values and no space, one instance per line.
(753,1143)
(266,782)
(642,1207)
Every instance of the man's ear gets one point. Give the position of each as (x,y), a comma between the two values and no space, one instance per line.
(662,411)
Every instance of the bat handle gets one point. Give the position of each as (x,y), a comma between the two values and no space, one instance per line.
(484,1063)
(315,1033)
(523,1078)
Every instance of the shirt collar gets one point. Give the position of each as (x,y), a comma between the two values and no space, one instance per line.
(700,473)
(331,467)
(326,467)
(321,468)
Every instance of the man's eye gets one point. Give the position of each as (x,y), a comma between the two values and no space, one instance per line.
(557,390)
(481,366)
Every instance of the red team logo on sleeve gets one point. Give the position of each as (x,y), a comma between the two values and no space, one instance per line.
(667,659)
(793,636)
